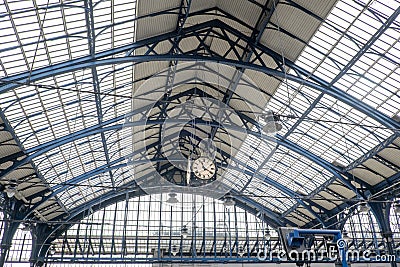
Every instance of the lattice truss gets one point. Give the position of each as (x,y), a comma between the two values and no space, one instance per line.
(330,69)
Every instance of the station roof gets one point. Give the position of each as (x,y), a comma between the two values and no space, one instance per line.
(70,72)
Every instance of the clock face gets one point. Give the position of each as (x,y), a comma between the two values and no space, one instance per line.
(204,168)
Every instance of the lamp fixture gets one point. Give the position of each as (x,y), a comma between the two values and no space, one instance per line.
(363,208)
(172,198)
(11,188)
(174,250)
(220,224)
(272,124)
(184,232)
(388,236)
(52,250)
(240,251)
(229,201)
(26,227)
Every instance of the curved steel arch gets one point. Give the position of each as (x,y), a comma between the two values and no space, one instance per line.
(47,147)
(245,119)
(113,197)
(108,167)
(99,60)
(84,133)
(100,128)
(39,150)
(316,84)
(101,169)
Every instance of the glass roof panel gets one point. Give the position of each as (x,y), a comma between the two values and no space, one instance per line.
(59,32)
(332,129)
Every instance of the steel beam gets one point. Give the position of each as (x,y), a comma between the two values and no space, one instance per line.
(312,81)
(13,212)
(96,130)
(91,37)
(343,71)
(286,143)
(9,129)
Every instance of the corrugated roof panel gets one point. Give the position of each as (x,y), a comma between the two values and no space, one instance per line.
(319,8)
(202,4)
(8,148)
(324,203)
(145,7)
(245,11)
(266,83)
(296,219)
(392,154)
(305,212)
(151,26)
(20,173)
(379,167)
(342,190)
(187,45)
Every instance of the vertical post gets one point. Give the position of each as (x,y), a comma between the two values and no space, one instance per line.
(40,244)
(342,250)
(160,230)
(236,242)
(194,230)
(204,229)
(124,250)
(101,245)
(247,234)
(381,211)
(170,242)
(215,231)
(13,212)
(6,242)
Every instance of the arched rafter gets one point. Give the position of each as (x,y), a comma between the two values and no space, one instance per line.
(258,65)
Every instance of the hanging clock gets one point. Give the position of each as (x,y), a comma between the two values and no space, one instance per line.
(204,168)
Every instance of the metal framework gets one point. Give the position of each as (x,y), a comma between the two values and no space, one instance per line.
(121,233)
(334,135)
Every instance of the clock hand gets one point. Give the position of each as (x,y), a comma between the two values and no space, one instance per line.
(188,173)
(209,165)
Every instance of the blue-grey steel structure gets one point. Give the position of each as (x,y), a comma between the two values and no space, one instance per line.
(63,114)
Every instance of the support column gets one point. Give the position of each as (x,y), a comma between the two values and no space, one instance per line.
(6,242)
(382,214)
(13,214)
(40,244)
